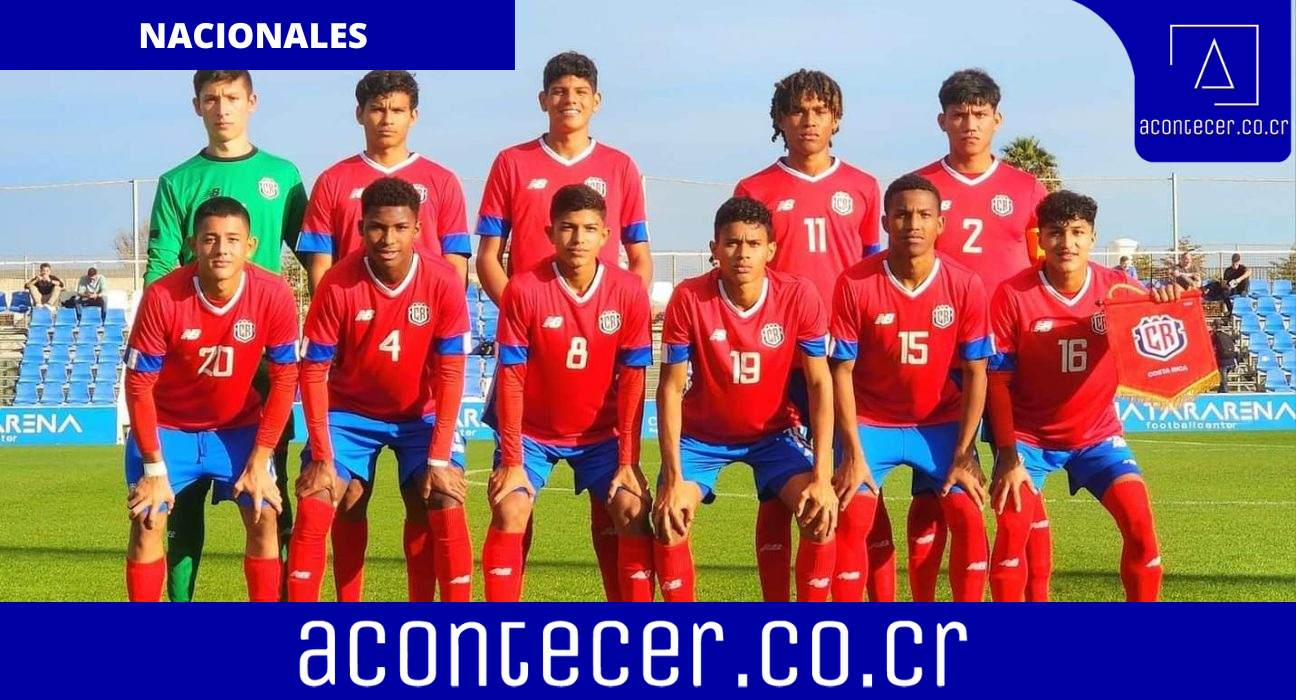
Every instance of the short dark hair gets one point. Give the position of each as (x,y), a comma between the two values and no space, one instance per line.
(203,78)
(1123,258)
(92,271)
(744,210)
(44,265)
(389,192)
(570,63)
(221,206)
(377,83)
(789,91)
(971,86)
(571,198)
(1063,206)
(906,183)
(1237,257)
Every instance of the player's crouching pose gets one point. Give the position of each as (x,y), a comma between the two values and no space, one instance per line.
(740,327)
(383,366)
(574,341)
(1052,386)
(198,338)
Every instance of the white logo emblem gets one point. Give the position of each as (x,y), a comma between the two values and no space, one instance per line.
(461,580)
(772,335)
(1043,325)
(597,184)
(365,315)
(610,322)
(503,571)
(643,575)
(1160,337)
(1001,204)
(943,316)
(785,205)
(819,582)
(719,335)
(842,203)
(672,584)
(418,313)
(946,204)
(299,575)
(422,190)
(537,184)
(244,330)
(268,188)
(884,319)
(848,576)
(357,193)
(190,334)
(552,322)
(1099,323)
(1118,441)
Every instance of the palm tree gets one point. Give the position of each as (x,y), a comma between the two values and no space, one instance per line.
(1025,152)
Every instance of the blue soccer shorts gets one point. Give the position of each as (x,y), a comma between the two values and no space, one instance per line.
(358,440)
(1094,467)
(593,465)
(927,449)
(219,455)
(774,460)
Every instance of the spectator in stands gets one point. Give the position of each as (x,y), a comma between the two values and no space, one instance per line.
(90,292)
(1186,272)
(1236,283)
(1127,266)
(45,288)
(1225,352)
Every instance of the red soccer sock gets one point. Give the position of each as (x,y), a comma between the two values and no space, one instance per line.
(606,549)
(420,564)
(969,551)
(502,562)
(815,563)
(675,571)
(1008,563)
(262,576)
(881,556)
(635,568)
(926,546)
(1039,556)
(851,573)
(774,550)
(451,553)
(144,580)
(350,539)
(307,550)
(1140,565)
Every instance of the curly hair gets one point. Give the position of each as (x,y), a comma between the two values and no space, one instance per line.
(789,91)
(377,83)
(389,192)
(1064,206)
(573,64)
(744,210)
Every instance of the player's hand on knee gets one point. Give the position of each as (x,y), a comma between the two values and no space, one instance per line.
(852,473)
(1010,477)
(965,473)
(672,513)
(318,476)
(817,507)
(447,480)
(147,498)
(630,479)
(258,483)
(506,480)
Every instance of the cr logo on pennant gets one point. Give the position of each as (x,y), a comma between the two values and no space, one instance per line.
(1160,337)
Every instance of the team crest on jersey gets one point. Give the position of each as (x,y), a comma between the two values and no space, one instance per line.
(418,313)
(1160,337)
(610,322)
(772,335)
(422,190)
(1099,323)
(946,204)
(268,187)
(842,203)
(943,316)
(597,184)
(244,330)
(1001,204)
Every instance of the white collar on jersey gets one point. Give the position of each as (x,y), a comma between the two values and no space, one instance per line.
(808,178)
(922,287)
(1084,288)
(220,310)
(589,293)
(384,169)
(734,307)
(393,293)
(970,181)
(576,159)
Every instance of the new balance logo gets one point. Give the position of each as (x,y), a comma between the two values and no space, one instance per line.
(190,334)
(299,575)
(1156,562)
(1010,563)
(1043,326)
(355,194)
(1039,525)
(884,320)
(502,571)
(819,582)
(977,566)
(461,580)
(552,322)
(881,544)
(537,184)
(925,539)
(645,575)
(769,548)
(719,335)
(785,205)
(672,584)
(365,315)
(848,576)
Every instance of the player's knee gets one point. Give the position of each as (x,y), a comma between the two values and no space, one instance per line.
(629,514)
(512,513)
(354,504)
(816,537)
(440,501)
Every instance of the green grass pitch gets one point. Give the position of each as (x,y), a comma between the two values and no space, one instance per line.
(1225,507)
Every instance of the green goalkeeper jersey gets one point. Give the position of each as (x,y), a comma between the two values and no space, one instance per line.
(270,187)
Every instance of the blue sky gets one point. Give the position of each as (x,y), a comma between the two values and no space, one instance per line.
(686,90)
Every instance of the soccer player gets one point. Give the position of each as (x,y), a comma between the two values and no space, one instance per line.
(573,327)
(199,336)
(515,213)
(989,209)
(386,106)
(1052,388)
(909,380)
(271,190)
(740,327)
(825,215)
(383,366)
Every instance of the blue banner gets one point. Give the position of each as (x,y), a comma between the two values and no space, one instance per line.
(35,426)
(1211,412)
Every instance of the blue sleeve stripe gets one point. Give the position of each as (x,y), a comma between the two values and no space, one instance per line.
(512,354)
(1003,362)
(977,349)
(318,352)
(285,354)
(456,244)
(315,242)
(637,357)
(454,345)
(635,233)
(676,354)
(871,249)
(817,347)
(493,226)
(845,350)
(143,362)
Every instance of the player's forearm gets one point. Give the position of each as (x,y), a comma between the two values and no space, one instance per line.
(974,396)
(316,265)
(639,261)
(819,388)
(313,379)
(999,405)
(844,405)
(512,382)
(449,394)
(278,405)
(670,412)
(630,401)
(490,269)
(142,410)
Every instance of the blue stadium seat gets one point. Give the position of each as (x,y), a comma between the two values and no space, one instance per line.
(56,372)
(1274,322)
(81,373)
(63,335)
(51,395)
(91,316)
(1249,323)
(4,302)
(78,393)
(1267,361)
(85,350)
(1288,361)
(473,376)
(1287,305)
(1283,343)
(1266,305)
(41,316)
(1281,288)
(65,318)
(110,351)
(1259,288)
(115,317)
(1276,381)
(20,302)
(59,353)
(25,394)
(1258,341)
(104,393)
(30,371)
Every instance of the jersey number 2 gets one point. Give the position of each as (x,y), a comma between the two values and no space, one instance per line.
(975,226)
(218,361)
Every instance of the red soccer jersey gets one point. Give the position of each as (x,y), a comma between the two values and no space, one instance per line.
(523,180)
(1064,378)
(741,360)
(986,218)
(572,346)
(332,223)
(206,355)
(822,224)
(909,345)
(381,340)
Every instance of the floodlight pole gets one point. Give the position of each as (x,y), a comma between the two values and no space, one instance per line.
(135,253)
(1174,209)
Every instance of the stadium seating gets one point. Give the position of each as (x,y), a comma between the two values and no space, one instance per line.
(56,372)
(81,373)
(1249,323)
(84,350)
(25,394)
(1267,361)
(30,372)
(110,351)
(115,317)
(1276,381)
(473,376)
(1258,341)
(1259,288)
(33,354)
(65,318)
(1287,305)
(20,302)
(41,317)
(1281,288)
(1288,361)
(59,353)
(51,395)
(1266,305)
(1283,343)
(78,393)
(63,335)
(1274,322)
(4,302)
(104,394)
(91,316)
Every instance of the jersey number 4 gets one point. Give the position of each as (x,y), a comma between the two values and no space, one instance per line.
(391,345)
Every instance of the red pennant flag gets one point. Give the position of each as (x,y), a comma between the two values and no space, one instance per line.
(1163,351)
